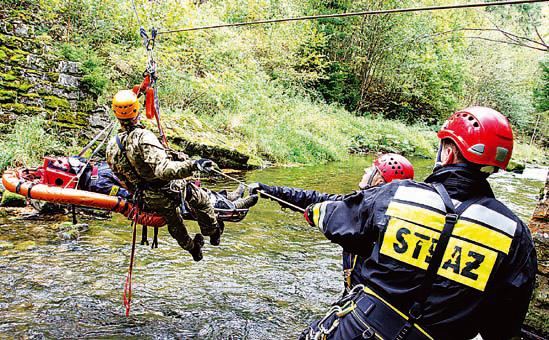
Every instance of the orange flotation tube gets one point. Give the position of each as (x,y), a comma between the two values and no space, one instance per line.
(26,182)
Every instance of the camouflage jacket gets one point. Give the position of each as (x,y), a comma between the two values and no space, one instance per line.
(145,160)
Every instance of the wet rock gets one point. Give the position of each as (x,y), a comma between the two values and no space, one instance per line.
(69,231)
(26,245)
(537,319)
(4,245)
(10,199)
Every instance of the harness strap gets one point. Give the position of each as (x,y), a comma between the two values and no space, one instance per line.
(29,190)
(452,216)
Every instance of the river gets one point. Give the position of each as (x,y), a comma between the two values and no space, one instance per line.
(271,274)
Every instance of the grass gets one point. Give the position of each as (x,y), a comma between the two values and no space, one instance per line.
(28,141)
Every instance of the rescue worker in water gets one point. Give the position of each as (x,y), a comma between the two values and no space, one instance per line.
(385,169)
(141,162)
(444,258)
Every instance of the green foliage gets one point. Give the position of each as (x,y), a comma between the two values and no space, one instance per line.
(91,65)
(27,143)
(263,89)
(541,92)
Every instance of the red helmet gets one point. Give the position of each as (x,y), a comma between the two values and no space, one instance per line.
(392,166)
(483,135)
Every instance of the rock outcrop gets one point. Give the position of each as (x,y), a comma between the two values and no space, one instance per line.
(34,81)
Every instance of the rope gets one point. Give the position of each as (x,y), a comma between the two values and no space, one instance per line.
(136,14)
(79,175)
(349,14)
(95,139)
(260,191)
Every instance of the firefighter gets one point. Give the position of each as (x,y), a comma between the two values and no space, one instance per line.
(445,258)
(385,169)
(138,158)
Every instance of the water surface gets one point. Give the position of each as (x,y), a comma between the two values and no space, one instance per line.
(270,276)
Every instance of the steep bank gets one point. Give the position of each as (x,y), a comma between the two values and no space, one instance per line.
(538,314)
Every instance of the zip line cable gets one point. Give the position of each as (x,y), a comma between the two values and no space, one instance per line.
(349,14)
(136,14)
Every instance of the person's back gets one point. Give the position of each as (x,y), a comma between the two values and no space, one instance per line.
(485,268)
(487,271)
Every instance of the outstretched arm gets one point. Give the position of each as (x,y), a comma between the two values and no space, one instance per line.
(298,197)
(346,222)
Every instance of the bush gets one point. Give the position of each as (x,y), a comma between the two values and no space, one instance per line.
(27,143)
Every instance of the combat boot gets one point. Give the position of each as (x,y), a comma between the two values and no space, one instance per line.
(234,195)
(246,203)
(215,238)
(196,250)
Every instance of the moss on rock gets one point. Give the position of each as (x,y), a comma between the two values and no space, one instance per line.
(10,199)
(7,95)
(54,102)
(77,118)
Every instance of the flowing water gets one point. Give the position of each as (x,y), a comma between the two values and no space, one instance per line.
(271,275)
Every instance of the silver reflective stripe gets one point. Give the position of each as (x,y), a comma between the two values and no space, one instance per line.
(321,216)
(492,218)
(421,196)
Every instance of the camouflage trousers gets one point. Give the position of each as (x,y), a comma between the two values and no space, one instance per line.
(167,202)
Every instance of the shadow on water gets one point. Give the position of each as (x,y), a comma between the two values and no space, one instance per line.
(270,276)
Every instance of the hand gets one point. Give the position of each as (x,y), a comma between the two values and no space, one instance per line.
(204,165)
(308,214)
(255,187)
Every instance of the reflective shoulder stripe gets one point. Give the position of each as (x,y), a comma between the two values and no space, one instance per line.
(465,229)
(481,234)
(416,215)
(492,218)
(421,196)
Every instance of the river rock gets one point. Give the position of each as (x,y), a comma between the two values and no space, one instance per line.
(25,245)
(4,245)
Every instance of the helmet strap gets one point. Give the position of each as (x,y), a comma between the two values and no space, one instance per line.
(438,161)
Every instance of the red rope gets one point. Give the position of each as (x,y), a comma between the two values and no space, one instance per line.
(128,284)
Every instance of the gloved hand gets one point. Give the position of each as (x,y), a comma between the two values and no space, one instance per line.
(308,214)
(253,188)
(204,165)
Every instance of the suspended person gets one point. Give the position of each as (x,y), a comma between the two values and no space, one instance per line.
(449,260)
(138,158)
(385,169)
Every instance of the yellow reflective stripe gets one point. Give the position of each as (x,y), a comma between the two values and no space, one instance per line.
(417,215)
(367,290)
(465,229)
(483,235)
(316,214)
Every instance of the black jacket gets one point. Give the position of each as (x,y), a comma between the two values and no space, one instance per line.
(487,275)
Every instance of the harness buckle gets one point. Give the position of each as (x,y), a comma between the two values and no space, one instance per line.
(452,217)
(368,333)
(415,312)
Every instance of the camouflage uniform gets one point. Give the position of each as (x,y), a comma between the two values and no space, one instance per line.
(146,165)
